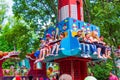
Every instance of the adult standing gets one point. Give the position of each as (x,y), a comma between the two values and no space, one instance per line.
(30,77)
(90,77)
(17,76)
(113,77)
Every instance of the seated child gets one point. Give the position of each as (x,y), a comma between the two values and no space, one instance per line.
(48,41)
(87,42)
(57,45)
(108,51)
(43,50)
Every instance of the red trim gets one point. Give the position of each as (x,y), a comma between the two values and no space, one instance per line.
(72,70)
(74,66)
(78,10)
(81,10)
(69,9)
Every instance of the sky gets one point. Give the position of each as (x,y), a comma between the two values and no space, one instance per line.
(9,11)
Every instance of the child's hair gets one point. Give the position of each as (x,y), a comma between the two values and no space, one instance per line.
(94,35)
(86,34)
(119,47)
(63,34)
(91,74)
(48,35)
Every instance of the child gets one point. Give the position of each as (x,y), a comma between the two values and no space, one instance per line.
(87,45)
(43,50)
(57,45)
(96,41)
(48,41)
(108,51)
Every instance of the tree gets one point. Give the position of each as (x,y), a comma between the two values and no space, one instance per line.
(4,44)
(105,14)
(19,36)
(3,8)
(101,70)
(36,12)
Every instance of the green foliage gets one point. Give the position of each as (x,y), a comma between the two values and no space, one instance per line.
(4,44)
(9,62)
(36,14)
(105,14)
(101,71)
(18,36)
(33,11)
(3,8)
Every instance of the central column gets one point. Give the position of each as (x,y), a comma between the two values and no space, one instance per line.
(74,66)
(70,8)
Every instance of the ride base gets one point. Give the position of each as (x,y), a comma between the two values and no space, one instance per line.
(74,66)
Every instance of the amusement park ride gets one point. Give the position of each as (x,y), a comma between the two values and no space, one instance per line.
(70,17)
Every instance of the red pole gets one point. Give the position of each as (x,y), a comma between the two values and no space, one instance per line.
(81,10)
(72,70)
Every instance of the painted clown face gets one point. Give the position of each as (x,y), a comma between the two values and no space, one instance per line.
(64,27)
(84,29)
(74,27)
(88,30)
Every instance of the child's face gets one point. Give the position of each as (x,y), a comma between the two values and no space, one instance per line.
(61,36)
(42,41)
(88,35)
(102,38)
(52,38)
(79,33)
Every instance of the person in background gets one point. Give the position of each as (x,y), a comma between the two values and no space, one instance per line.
(30,77)
(41,78)
(90,77)
(112,76)
(54,77)
(17,76)
(117,52)
(108,51)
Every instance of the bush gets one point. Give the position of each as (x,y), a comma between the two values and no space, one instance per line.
(102,69)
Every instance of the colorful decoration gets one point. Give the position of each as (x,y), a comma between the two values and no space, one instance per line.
(64,27)
(52,69)
(88,24)
(72,47)
(66,20)
(74,20)
(74,33)
(85,24)
(74,27)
